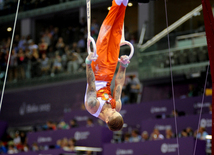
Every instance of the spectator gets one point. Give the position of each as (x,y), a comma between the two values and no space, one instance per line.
(47,37)
(127,137)
(64,143)
(81,43)
(23,138)
(63,125)
(3,58)
(25,148)
(50,52)
(35,70)
(3,149)
(73,123)
(135,137)
(43,46)
(124,98)
(35,147)
(57,65)
(183,133)
(155,135)
(89,123)
(32,46)
(45,64)
(27,68)
(201,133)
(192,91)
(58,144)
(12,149)
(60,45)
(16,41)
(21,64)
(174,113)
(50,125)
(144,136)
(13,66)
(189,131)
(133,87)
(71,145)
(66,55)
(75,48)
(22,43)
(55,36)
(74,59)
(169,134)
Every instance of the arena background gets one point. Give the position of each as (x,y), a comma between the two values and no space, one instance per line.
(43,106)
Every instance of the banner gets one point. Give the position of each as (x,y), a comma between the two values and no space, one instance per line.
(159,147)
(91,136)
(61,101)
(39,104)
(182,123)
(133,114)
(81,117)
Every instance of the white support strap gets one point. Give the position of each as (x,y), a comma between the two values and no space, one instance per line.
(90,39)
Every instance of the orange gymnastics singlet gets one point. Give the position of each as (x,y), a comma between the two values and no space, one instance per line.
(108,43)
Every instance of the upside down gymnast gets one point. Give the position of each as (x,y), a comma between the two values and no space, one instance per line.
(100,70)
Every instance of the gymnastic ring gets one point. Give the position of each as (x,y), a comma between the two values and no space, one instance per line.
(130,45)
(91,40)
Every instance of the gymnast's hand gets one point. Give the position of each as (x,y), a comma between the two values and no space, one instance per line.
(124,59)
(91,57)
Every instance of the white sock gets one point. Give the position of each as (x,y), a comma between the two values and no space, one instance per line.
(125,2)
(118,2)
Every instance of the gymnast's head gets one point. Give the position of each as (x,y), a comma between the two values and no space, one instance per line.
(114,121)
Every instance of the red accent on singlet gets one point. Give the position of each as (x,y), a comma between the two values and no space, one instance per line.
(105,94)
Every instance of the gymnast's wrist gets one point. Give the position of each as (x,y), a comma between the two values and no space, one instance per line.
(124,65)
(88,62)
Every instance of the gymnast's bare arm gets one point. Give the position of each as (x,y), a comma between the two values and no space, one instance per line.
(119,81)
(92,103)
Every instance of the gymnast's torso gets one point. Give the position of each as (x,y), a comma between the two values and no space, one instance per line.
(103,96)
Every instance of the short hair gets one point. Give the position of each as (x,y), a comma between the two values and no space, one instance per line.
(115,124)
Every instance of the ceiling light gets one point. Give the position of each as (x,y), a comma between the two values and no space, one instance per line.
(130,4)
(9,29)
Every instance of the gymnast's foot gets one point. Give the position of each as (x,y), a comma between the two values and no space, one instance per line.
(119,2)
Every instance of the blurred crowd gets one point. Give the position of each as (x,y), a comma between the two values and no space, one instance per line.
(53,54)
(17,142)
(56,51)
(136,136)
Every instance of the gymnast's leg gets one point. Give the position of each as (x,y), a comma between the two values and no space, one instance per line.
(112,23)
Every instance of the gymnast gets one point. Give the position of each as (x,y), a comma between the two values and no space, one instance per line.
(100,69)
